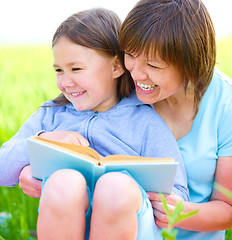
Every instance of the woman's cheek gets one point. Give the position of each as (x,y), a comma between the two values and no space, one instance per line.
(128,62)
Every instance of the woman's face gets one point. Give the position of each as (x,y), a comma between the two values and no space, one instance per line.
(154,79)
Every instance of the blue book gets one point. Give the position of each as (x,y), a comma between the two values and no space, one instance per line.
(46,157)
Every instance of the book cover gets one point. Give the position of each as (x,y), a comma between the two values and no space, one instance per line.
(46,157)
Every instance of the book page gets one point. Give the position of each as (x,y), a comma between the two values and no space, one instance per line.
(120,159)
(85,152)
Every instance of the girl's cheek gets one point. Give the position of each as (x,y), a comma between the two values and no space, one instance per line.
(59,85)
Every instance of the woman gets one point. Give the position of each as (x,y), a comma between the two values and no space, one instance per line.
(170,52)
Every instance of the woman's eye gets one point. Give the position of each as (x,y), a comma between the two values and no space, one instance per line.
(128,54)
(153,66)
(58,70)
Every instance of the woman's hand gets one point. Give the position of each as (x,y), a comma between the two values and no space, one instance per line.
(66,137)
(161,218)
(29,185)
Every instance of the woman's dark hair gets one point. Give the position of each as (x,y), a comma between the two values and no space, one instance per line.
(181,32)
(97,29)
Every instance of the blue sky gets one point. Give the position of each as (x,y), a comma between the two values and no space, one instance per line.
(35,21)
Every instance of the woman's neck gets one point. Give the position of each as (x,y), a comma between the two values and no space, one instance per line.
(178,112)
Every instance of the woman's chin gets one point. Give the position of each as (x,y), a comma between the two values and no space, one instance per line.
(146,98)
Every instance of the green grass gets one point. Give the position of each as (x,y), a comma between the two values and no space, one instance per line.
(224,55)
(18,214)
(27,79)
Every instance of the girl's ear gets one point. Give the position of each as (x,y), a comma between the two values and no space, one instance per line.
(117,68)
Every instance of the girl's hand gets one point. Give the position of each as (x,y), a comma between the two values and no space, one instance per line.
(29,185)
(66,137)
(161,218)
(32,186)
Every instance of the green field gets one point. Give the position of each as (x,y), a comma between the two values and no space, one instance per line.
(27,79)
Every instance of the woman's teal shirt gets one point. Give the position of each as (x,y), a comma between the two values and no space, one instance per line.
(209,139)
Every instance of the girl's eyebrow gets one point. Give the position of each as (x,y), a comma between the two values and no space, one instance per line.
(69,64)
(55,66)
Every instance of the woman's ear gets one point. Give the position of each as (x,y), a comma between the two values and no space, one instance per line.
(117,68)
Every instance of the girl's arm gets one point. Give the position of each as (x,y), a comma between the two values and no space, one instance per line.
(160,142)
(66,137)
(32,186)
(14,153)
(213,215)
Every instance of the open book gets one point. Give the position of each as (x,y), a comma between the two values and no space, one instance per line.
(46,157)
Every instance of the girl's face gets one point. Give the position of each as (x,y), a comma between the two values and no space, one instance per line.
(153,78)
(86,77)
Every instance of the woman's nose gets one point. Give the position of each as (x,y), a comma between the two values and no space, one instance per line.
(138,72)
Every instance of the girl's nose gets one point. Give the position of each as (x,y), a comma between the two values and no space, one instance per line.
(67,81)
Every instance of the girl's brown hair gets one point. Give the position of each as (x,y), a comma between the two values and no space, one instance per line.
(97,29)
(181,32)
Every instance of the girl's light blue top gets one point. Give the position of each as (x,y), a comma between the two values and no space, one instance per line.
(209,139)
(129,128)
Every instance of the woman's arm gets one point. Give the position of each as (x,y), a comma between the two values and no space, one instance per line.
(28,184)
(213,215)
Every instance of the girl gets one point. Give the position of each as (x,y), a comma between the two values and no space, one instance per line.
(94,103)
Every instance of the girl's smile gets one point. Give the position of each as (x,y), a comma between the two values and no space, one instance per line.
(86,77)
(77,94)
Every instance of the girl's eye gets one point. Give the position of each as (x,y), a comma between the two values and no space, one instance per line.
(76,69)
(58,70)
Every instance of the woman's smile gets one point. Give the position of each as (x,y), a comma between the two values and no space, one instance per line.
(146,87)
